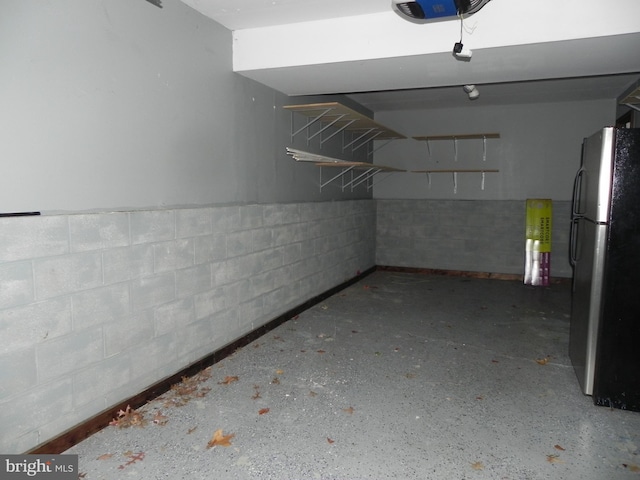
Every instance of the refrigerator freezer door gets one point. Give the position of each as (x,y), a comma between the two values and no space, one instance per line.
(586,302)
(617,373)
(592,189)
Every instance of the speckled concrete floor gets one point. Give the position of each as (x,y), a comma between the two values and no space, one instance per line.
(402,376)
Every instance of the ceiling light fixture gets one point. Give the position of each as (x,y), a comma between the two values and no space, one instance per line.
(472,91)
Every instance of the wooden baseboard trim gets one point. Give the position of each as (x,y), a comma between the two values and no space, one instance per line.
(93,425)
(464,273)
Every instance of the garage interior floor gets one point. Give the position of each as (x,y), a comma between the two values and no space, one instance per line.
(401,375)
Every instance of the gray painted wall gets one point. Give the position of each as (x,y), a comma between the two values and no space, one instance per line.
(538,151)
(466,235)
(174,220)
(122,105)
(472,229)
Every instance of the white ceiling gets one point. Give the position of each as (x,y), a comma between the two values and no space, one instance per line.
(242,14)
(603,66)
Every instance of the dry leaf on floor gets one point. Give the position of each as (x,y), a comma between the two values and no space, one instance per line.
(105,456)
(275,381)
(330,440)
(312,393)
(160,419)
(349,410)
(228,380)
(321,351)
(279,372)
(181,393)
(128,418)
(262,411)
(631,467)
(219,439)
(558,447)
(477,466)
(542,361)
(554,459)
(191,430)
(256,394)
(133,458)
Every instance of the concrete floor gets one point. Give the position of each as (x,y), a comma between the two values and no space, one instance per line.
(404,376)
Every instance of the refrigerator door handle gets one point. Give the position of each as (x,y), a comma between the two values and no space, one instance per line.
(573,241)
(577,193)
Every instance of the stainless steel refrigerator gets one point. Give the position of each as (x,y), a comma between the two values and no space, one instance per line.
(604,344)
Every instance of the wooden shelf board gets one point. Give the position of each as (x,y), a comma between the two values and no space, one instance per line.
(351,120)
(484,170)
(462,136)
(359,166)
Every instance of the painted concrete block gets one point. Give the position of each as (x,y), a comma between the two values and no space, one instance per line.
(209,303)
(67,274)
(33,237)
(29,325)
(218,274)
(17,372)
(100,379)
(192,222)
(226,219)
(173,255)
(286,234)
(251,216)
(174,316)
(250,314)
(125,333)
(152,226)
(101,305)
(262,239)
(121,264)
(281,214)
(71,352)
(98,231)
(154,359)
(148,292)
(270,259)
(268,281)
(27,412)
(190,281)
(210,248)
(239,243)
(291,253)
(236,292)
(16,284)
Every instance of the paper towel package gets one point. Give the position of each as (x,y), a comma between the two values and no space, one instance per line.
(537,265)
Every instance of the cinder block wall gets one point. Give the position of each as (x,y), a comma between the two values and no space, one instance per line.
(468,235)
(94,308)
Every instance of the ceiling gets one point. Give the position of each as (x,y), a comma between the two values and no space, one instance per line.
(549,72)
(242,14)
